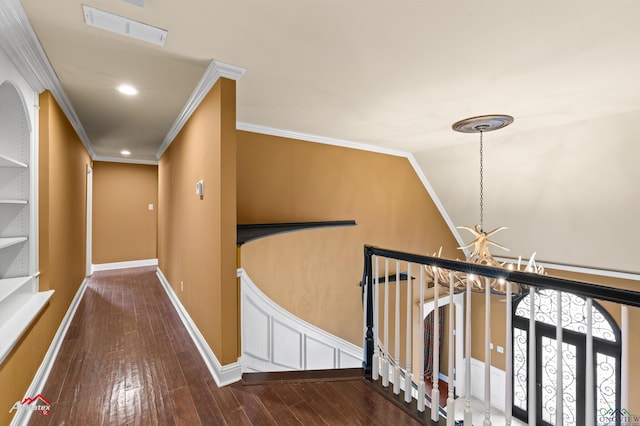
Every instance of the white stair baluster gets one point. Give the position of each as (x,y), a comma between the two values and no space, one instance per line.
(624,362)
(435,393)
(589,409)
(468,417)
(385,361)
(375,368)
(421,398)
(532,358)
(487,353)
(408,378)
(559,378)
(451,408)
(508,358)
(396,353)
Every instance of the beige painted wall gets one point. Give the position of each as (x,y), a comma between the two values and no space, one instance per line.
(197,235)
(315,274)
(62,240)
(124,228)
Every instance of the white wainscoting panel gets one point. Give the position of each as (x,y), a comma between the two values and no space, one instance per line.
(273,339)
(320,355)
(287,345)
(258,346)
(498,377)
(349,360)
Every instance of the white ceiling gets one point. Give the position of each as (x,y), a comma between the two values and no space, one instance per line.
(564,177)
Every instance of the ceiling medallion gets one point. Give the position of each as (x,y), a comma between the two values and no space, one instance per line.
(482,123)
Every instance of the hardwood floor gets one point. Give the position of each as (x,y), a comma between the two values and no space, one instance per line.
(127,359)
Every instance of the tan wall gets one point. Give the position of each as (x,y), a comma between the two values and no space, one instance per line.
(197,236)
(62,223)
(315,274)
(498,330)
(123,227)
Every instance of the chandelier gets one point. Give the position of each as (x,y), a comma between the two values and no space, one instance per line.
(481,255)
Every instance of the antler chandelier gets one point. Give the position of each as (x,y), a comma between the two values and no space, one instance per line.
(481,254)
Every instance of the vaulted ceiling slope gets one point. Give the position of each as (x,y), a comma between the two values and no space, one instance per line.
(395,75)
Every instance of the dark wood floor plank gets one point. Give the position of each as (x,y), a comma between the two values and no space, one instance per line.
(127,359)
(319,404)
(184,411)
(376,404)
(252,406)
(357,415)
(288,394)
(228,403)
(307,415)
(269,396)
(194,373)
(58,375)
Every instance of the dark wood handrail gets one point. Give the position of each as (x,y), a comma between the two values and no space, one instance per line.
(250,232)
(596,291)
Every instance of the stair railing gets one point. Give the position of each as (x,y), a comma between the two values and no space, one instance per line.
(383,269)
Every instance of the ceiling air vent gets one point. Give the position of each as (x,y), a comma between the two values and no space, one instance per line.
(125,26)
(139,3)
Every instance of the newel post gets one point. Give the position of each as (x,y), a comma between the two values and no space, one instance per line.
(367,302)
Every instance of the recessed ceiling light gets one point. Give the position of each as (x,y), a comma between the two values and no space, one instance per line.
(127,89)
(125,152)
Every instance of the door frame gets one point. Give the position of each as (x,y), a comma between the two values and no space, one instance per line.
(89,221)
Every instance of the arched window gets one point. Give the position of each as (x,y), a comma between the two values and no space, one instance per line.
(606,353)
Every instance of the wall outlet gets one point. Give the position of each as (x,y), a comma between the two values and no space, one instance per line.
(150,207)
(500,350)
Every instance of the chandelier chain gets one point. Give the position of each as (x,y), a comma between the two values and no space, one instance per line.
(481,186)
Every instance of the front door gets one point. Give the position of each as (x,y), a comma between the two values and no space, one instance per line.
(573,377)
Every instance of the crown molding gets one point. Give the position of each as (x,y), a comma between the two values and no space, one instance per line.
(124,160)
(23,48)
(212,74)
(307,137)
(364,147)
(21,44)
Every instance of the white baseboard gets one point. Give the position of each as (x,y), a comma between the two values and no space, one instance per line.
(222,374)
(123,265)
(22,416)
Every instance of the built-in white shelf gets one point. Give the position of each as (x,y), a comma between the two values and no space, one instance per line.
(8,242)
(20,301)
(9,285)
(13,201)
(10,162)
(12,329)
